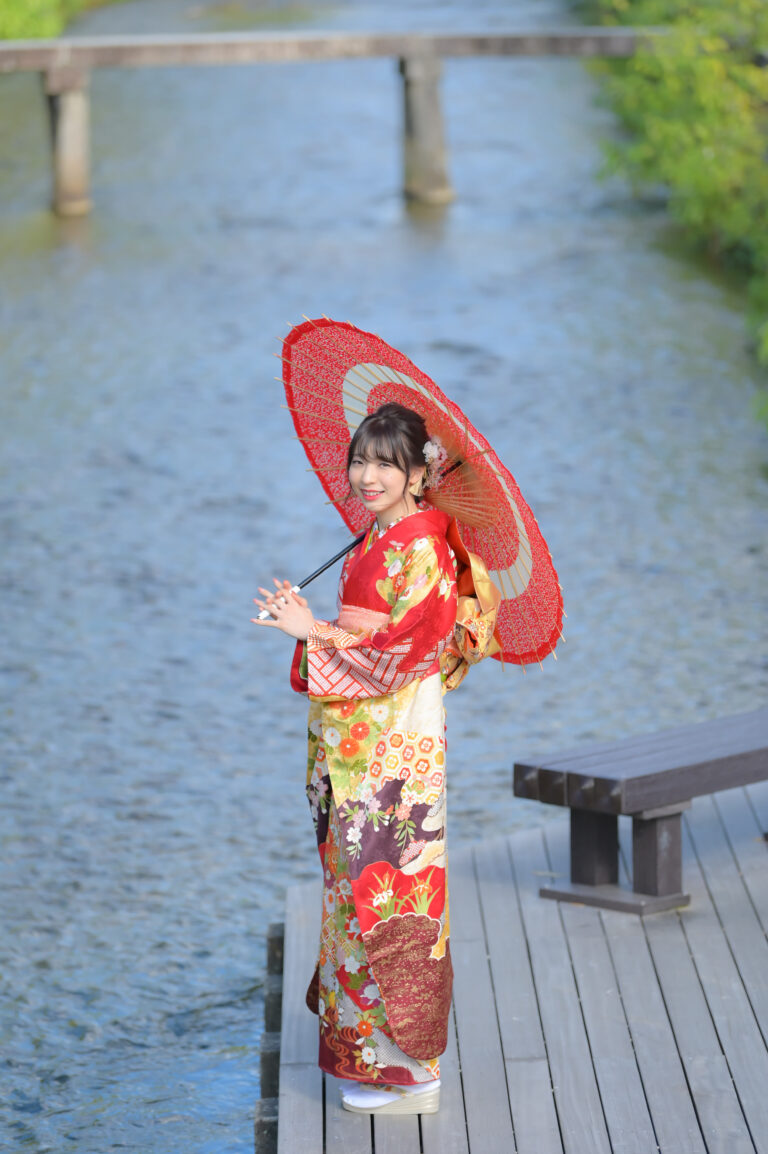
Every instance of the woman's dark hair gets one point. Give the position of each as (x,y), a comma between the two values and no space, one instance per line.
(393,433)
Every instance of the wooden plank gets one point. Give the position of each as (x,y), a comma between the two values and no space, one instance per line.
(248,48)
(733,729)
(714,1096)
(758,796)
(465,906)
(621,1089)
(515,993)
(727,891)
(580,1113)
(486,1102)
(299,1042)
(713,1091)
(732,1013)
(625,786)
(300,1110)
(345,1132)
(446,1131)
(396,1135)
(300,1119)
(721,1119)
(642,773)
(613,898)
(666,1089)
(748,845)
(534,1117)
(533,1107)
(695,779)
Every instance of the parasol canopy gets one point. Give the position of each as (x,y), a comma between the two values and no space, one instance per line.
(335,375)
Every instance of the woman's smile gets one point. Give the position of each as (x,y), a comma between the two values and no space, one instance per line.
(382,487)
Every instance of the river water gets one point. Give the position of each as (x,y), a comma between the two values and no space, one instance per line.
(152,752)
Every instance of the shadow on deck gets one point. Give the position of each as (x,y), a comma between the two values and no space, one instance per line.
(576,1030)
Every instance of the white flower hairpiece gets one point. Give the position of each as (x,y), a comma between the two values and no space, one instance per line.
(436,455)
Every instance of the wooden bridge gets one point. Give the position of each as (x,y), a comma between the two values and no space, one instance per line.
(575,1030)
(66,64)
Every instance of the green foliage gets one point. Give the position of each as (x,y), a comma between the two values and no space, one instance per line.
(695,106)
(33,19)
(24,19)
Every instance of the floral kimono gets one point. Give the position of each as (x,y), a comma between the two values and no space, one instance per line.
(415,609)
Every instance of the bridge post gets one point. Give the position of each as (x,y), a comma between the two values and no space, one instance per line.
(424,154)
(67,97)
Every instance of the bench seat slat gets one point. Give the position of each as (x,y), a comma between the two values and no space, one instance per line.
(749,728)
(627,777)
(629,762)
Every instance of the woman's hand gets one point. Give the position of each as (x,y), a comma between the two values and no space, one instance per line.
(287,611)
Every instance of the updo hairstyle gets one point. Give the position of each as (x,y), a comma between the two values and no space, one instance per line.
(394,434)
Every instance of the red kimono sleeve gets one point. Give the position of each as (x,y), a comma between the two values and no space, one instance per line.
(421,620)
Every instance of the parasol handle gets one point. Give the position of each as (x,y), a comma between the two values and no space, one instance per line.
(332,561)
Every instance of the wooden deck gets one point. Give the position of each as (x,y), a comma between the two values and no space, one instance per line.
(576,1030)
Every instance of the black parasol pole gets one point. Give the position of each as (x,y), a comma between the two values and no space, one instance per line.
(332,561)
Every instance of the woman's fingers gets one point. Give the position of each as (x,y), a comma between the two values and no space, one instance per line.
(271,607)
(274,597)
(282,608)
(270,594)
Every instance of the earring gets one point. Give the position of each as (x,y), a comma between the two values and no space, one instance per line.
(417,488)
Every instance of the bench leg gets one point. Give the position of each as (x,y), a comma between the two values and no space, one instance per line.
(657,856)
(657,862)
(594,848)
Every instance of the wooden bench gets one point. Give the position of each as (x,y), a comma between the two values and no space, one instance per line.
(652,779)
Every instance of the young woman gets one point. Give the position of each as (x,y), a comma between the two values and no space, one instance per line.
(409,622)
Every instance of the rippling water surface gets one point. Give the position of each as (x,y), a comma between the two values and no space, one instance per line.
(152,794)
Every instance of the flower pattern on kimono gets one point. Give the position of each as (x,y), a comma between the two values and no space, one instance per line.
(331,736)
(382,897)
(410,571)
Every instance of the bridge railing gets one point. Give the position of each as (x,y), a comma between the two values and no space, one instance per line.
(66,64)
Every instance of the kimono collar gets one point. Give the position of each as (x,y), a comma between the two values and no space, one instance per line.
(412,525)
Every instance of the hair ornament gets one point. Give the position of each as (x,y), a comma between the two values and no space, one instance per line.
(436,456)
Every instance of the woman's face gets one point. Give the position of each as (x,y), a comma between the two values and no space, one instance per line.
(383,488)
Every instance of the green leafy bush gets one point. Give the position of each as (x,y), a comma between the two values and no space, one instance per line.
(30,19)
(695,104)
(24,19)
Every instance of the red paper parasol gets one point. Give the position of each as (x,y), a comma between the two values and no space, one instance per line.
(334,376)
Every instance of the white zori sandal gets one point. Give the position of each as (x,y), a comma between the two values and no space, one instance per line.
(365,1098)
